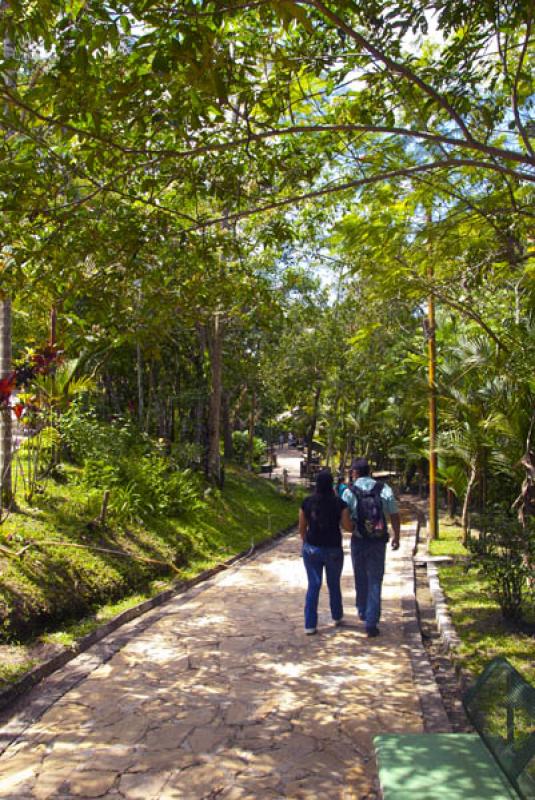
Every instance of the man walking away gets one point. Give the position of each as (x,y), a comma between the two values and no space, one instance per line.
(369,501)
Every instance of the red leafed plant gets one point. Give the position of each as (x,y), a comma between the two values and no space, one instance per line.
(43,359)
(18,409)
(7,385)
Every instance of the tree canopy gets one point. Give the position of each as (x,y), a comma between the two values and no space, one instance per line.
(236,208)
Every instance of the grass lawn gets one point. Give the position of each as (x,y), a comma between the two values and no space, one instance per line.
(476,614)
(55,592)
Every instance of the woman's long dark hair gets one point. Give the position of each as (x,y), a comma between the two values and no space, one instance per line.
(324,501)
(324,483)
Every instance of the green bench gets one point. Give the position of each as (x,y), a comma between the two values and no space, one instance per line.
(497,762)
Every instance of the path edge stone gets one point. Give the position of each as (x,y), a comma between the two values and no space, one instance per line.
(434,714)
(447,630)
(30,679)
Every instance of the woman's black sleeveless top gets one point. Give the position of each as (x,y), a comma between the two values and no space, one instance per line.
(323,513)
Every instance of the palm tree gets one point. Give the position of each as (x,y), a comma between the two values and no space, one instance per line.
(478,408)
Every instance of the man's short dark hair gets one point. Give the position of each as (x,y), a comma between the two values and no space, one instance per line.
(361,466)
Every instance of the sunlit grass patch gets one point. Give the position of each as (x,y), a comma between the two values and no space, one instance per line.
(449,542)
(11,672)
(477,618)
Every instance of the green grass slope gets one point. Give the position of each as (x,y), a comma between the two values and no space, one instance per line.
(59,571)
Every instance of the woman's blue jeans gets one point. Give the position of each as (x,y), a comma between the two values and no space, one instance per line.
(368,557)
(315,559)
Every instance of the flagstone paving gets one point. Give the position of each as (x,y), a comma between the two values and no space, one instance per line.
(224,696)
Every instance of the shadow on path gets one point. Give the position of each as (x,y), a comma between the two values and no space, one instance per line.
(224,696)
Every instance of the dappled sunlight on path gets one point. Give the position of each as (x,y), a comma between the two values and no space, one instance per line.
(225,696)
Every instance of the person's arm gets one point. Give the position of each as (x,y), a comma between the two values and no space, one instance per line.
(347,524)
(302,524)
(349,498)
(390,507)
(396,527)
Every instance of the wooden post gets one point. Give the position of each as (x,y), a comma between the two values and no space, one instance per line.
(104,508)
(6,425)
(432,364)
(6,428)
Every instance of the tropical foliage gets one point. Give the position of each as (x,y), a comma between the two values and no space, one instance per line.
(220,213)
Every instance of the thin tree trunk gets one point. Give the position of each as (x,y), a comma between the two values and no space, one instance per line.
(228,445)
(451,503)
(171,420)
(140,399)
(53,326)
(6,429)
(313,421)
(251,431)
(332,429)
(201,437)
(111,393)
(214,416)
(150,399)
(161,415)
(467,498)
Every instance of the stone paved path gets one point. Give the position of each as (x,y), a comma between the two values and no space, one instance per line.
(223,696)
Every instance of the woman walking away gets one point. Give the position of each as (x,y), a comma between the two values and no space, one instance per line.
(319,527)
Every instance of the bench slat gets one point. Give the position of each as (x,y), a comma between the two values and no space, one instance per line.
(442,766)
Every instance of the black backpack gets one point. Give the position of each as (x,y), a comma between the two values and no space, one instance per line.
(370,522)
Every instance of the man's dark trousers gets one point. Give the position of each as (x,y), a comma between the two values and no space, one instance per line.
(368,557)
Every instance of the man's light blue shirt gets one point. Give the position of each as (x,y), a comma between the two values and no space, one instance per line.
(390,505)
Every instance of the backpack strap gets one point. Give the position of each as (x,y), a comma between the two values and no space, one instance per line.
(359,493)
(377,488)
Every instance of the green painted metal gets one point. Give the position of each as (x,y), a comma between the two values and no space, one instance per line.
(501,707)
(441,766)
(496,762)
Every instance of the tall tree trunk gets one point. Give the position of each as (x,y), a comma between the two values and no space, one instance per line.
(171,427)
(150,399)
(6,432)
(251,432)
(161,414)
(110,393)
(140,397)
(53,326)
(451,502)
(467,498)
(228,445)
(199,412)
(313,422)
(332,427)
(214,414)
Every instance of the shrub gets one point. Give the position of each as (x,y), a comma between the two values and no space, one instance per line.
(504,553)
(186,454)
(144,486)
(240,441)
(142,481)
(85,436)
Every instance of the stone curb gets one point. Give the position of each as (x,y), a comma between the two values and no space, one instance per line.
(448,634)
(446,628)
(434,714)
(445,625)
(16,693)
